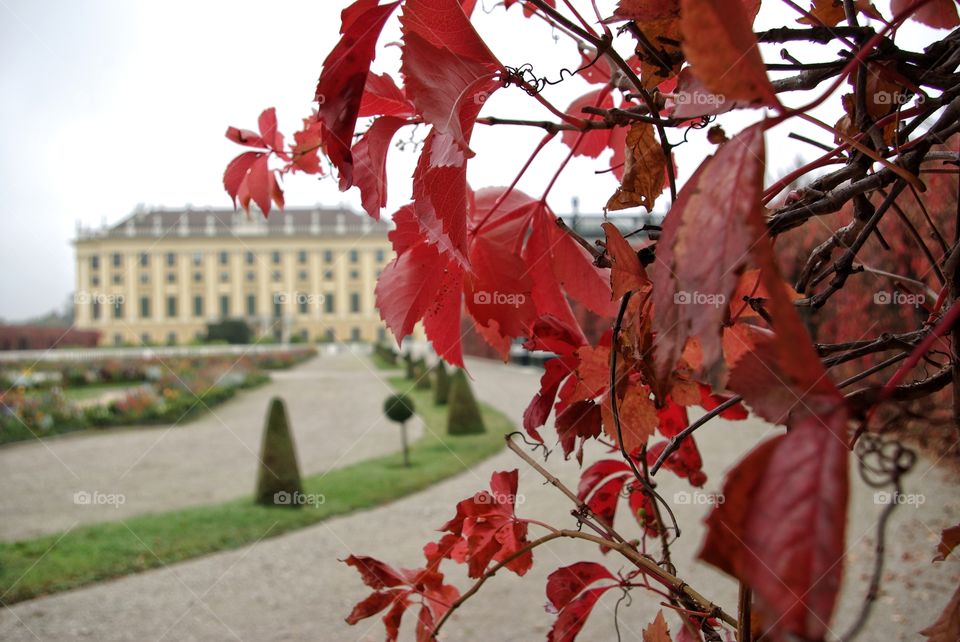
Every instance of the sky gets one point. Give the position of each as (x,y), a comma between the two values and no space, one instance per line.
(110,104)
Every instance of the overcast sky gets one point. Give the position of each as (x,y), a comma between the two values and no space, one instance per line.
(111,103)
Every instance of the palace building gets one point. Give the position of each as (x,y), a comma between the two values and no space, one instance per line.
(160,276)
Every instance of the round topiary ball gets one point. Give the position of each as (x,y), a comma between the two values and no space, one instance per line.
(398,408)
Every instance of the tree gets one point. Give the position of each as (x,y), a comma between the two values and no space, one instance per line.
(699,311)
(441,391)
(278,478)
(399,409)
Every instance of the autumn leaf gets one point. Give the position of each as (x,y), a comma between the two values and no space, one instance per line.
(947,626)
(581,420)
(370,161)
(831,12)
(644,170)
(594,141)
(718,41)
(705,244)
(939,14)
(659,49)
(382,97)
(638,417)
(566,583)
(342,80)
(949,540)
(657,630)
(626,273)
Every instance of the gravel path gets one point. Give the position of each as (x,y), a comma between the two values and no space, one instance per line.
(292,587)
(334,407)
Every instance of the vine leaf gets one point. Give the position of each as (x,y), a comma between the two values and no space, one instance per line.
(627,273)
(947,626)
(657,630)
(343,77)
(831,12)
(718,41)
(644,170)
(370,163)
(939,14)
(949,540)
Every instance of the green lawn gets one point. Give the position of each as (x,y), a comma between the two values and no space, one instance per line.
(96,552)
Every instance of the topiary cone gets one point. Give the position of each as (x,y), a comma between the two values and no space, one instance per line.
(422,373)
(441,389)
(278,479)
(411,366)
(463,417)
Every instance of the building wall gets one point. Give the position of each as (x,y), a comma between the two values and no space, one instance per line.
(301,284)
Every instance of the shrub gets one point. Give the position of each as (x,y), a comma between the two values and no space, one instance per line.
(279,472)
(463,417)
(441,390)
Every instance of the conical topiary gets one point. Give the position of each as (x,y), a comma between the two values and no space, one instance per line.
(278,480)
(441,389)
(463,417)
(422,375)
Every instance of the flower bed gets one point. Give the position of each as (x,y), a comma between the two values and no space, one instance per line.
(171,390)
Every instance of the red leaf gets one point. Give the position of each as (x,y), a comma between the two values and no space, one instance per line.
(597,472)
(449,72)
(709,401)
(342,80)
(595,140)
(237,171)
(646,10)
(685,462)
(603,502)
(441,322)
(718,41)
(260,183)
(638,417)
(373,604)
(657,631)
(565,583)
(382,97)
(408,286)
(555,371)
(939,14)
(706,241)
(441,200)
(580,419)
(949,540)
(572,618)
(375,573)
(627,273)
(781,528)
(267,122)
(947,626)
(370,161)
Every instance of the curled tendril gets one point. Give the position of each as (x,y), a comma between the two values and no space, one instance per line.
(626,597)
(534,445)
(530,82)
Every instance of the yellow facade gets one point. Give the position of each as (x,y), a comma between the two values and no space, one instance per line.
(159,277)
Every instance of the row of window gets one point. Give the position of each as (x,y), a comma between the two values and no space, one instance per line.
(327,335)
(302,302)
(116,259)
(276,276)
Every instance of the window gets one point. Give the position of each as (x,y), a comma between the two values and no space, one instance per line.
(145,307)
(197,277)
(354,334)
(171,259)
(224,258)
(144,259)
(354,275)
(302,275)
(250,258)
(171,277)
(277,306)
(118,310)
(330,334)
(328,275)
(117,279)
(95,280)
(302,256)
(302,303)
(328,256)
(172,307)
(172,338)
(275,256)
(94,262)
(354,256)
(118,339)
(276,276)
(380,256)
(328,305)
(144,278)
(198,306)
(117,259)
(95,310)
(145,339)
(224,306)
(198,258)
(224,277)
(251,305)
(354,302)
